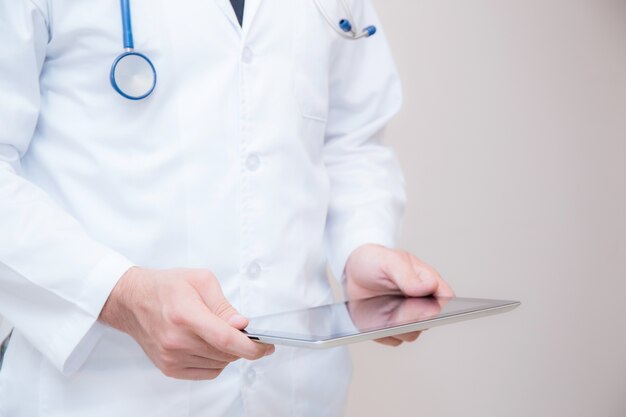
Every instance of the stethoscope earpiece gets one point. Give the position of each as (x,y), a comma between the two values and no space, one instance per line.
(370,30)
(345,25)
(345,28)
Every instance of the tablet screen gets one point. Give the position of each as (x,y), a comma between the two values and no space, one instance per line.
(362,316)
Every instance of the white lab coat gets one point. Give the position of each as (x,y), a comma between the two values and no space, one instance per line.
(258,156)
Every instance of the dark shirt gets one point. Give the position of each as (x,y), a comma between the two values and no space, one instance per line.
(238,6)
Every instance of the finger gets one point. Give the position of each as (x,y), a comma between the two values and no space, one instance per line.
(213,297)
(444,290)
(225,338)
(426,274)
(199,347)
(193,361)
(208,352)
(238,321)
(196,374)
(408,337)
(389,341)
(399,268)
(270,349)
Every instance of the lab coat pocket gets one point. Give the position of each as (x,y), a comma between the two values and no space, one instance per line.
(311,63)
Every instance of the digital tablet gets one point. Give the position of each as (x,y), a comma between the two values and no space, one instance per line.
(371,318)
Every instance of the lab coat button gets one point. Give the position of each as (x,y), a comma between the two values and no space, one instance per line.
(254,270)
(253,162)
(250,376)
(247,55)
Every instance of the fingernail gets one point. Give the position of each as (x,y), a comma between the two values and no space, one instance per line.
(269,351)
(236,319)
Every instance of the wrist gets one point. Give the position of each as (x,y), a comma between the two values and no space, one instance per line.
(118,309)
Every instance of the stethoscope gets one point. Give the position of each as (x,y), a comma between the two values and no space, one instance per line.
(133,75)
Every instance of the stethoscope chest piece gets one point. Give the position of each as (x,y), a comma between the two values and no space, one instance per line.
(132,74)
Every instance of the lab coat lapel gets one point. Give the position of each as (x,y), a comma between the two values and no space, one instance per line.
(249,11)
(228,11)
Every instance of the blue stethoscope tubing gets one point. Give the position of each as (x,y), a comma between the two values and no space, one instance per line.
(345,28)
(129,50)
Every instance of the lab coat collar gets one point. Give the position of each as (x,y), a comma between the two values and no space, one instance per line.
(250,10)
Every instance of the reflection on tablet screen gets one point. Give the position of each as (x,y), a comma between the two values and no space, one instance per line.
(366,315)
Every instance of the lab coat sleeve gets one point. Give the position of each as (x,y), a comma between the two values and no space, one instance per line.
(367,186)
(54,278)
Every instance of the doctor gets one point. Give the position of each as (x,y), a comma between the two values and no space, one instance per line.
(145,215)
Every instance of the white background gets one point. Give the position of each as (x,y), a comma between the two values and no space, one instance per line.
(513,141)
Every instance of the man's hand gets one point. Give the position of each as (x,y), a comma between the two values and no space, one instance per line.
(376,270)
(181,320)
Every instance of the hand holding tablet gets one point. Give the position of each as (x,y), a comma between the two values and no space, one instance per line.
(394,296)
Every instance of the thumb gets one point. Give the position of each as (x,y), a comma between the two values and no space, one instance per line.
(238,321)
(400,269)
(213,297)
(225,311)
